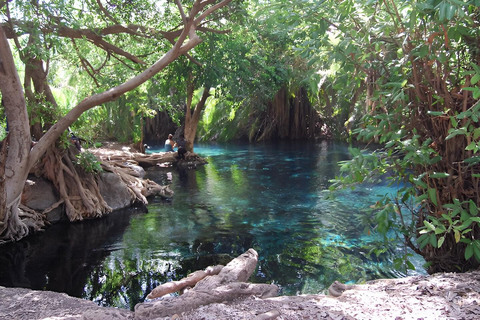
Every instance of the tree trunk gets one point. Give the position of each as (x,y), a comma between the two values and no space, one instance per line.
(191,120)
(17,163)
(3,194)
(144,160)
(158,127)
(43,105)
(289,118)
(427,83)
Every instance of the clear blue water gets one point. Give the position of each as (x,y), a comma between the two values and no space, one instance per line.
(271,197)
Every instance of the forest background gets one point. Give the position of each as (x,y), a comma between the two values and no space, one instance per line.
(401,74)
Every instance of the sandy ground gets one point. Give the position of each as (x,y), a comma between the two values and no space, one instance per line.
(440,296)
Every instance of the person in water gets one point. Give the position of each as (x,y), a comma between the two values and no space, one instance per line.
(169,143)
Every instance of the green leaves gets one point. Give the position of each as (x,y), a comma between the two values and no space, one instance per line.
(426,239)
(459,219)
(475,78)
(89,162)
(454,132)
(432,194)
(472,249)
(439,175)
(428,136)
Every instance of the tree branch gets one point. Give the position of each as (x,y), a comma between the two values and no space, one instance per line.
(211,9)
(105,12)
(93,35)
(99,42)
(192,59)
(205,29)
(182,13)
(110,95)
(82,60)
(14,36)
(122,62)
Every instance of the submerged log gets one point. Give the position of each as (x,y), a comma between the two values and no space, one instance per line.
(229,284)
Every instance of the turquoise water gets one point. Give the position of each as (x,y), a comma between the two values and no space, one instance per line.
(270,197)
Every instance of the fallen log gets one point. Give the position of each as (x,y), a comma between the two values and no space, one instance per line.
(145,160)
(229,284)
(190,281)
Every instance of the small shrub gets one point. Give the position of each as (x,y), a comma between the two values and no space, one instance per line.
(89,162)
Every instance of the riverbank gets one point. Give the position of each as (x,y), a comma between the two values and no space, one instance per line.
(448,296)
(439,296)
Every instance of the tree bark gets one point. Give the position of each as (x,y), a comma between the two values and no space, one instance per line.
(228,285)
(41,99)
(3,194)
(17,159)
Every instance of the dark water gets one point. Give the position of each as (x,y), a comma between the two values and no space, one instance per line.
(270,197)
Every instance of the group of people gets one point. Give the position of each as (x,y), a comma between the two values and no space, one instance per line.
(181,145)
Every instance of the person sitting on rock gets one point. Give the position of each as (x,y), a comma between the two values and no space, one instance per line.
(169,143)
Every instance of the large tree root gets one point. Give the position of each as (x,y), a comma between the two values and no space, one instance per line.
(20,221)
(77,189)
(229,284)
(16,221)
(80,192)
(140,188)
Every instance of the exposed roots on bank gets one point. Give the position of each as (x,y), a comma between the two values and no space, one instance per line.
(79,191)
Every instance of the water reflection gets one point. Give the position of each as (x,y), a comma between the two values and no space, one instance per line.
(270,197)
(62,258)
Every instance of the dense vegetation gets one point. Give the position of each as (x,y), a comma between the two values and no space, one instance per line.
(401,74)
(422,69)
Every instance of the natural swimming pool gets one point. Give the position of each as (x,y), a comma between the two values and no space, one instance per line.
(271,197)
